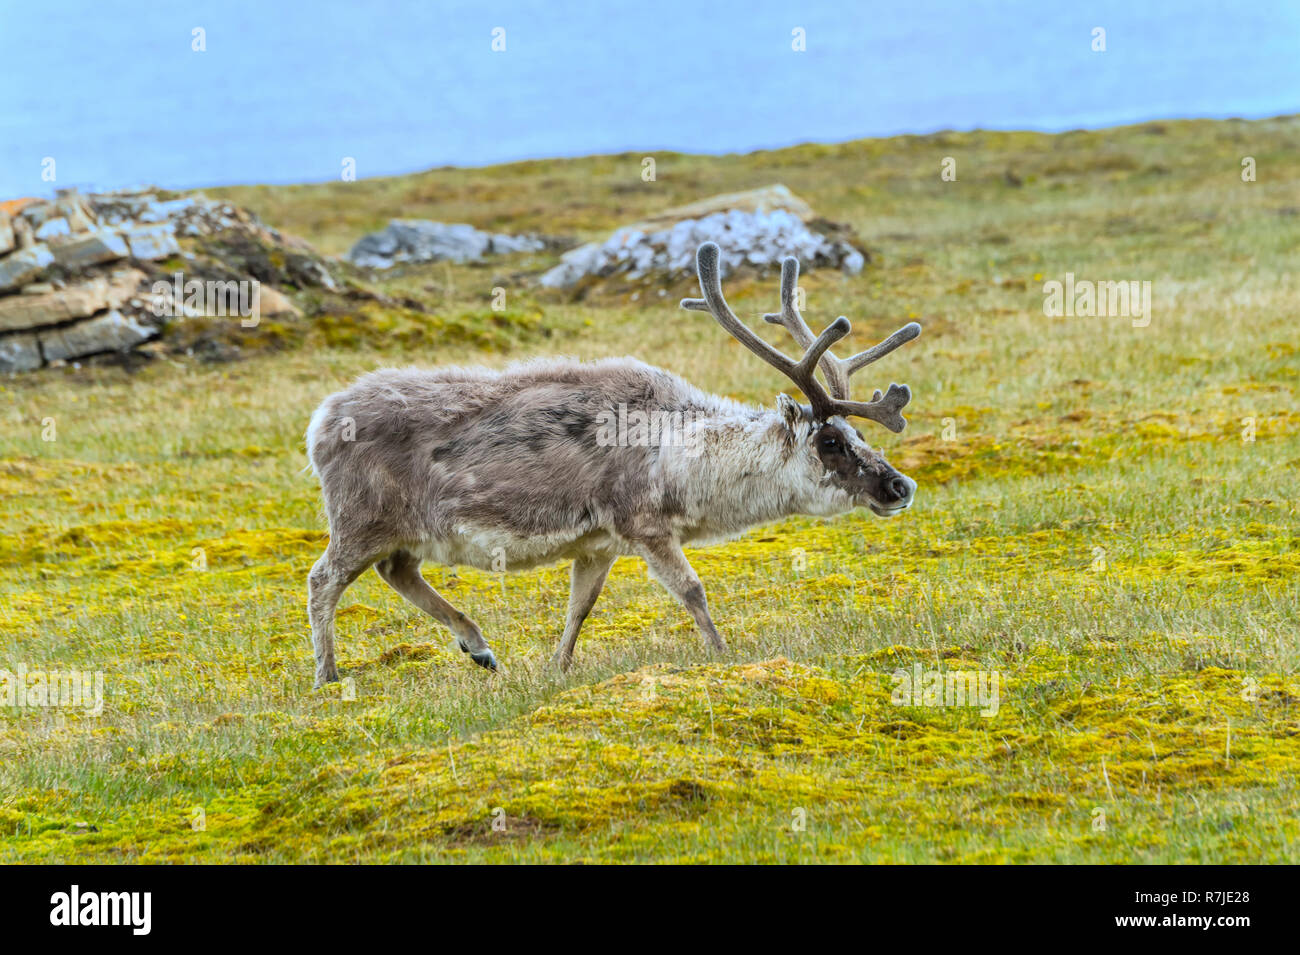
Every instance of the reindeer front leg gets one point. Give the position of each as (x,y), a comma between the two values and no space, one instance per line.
(588,576)
(671,568)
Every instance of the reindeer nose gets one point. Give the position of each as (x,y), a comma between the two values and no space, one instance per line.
(900,488)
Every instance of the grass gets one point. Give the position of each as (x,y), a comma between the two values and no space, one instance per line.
(1106,519)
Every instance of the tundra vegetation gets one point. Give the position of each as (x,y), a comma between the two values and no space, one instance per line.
(1106,518)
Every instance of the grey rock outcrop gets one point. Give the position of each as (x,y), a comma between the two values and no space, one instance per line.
(420,240)
(45,305)
(20,353)
(7,238)
(758,229)
(21,267)
(76,277)
(92,247)
(111,331)
(151,242)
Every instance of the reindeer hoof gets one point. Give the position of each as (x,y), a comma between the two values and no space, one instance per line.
(483,658)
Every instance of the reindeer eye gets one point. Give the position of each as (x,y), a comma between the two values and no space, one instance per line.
(830,443)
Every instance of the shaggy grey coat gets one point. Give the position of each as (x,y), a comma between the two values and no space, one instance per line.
(505,470)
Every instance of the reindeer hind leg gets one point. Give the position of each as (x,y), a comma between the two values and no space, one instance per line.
(401,571)
(329,577)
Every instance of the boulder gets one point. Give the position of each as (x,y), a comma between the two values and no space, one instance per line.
(109,332)
(23,234)
(757,228)
(19,353)
(420,240)
(19,268)
(14,206)
(89,248)
(272,302)
(79,216)
(7,239)
(49,306)
(155,211)
(150,242)
(502,244)
(53,227)
(38,212)
(92,302)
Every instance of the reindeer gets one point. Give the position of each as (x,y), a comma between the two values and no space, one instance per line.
(469,466)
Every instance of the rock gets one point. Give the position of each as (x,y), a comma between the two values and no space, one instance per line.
(759,235)
(419,240)
(150,242)
(78,216)
(109,332)
(24,238)
(31,310)
(84,306)
(272,302)
(53,227)
(199,216)
(39,212)
(19,268)
(510,244)
(14,206)
(89,248)
(189,216)
(156,211)
(309,270)
(19,353)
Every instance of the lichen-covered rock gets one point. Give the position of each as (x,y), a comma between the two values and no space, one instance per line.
(271,302)
(19,353)
(151,242)
(760,228)
(7,239)
(187,216)
(88,248)
(21,267)
(112,331)
(419,240)
(52,228)
(24,237)
(66,290)
(41,306)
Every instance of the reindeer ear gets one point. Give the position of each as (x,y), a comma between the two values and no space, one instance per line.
(791,411)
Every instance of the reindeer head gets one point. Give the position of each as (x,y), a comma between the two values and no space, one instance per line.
(846,471)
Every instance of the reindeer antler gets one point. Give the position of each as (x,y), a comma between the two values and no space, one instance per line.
(885,409)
